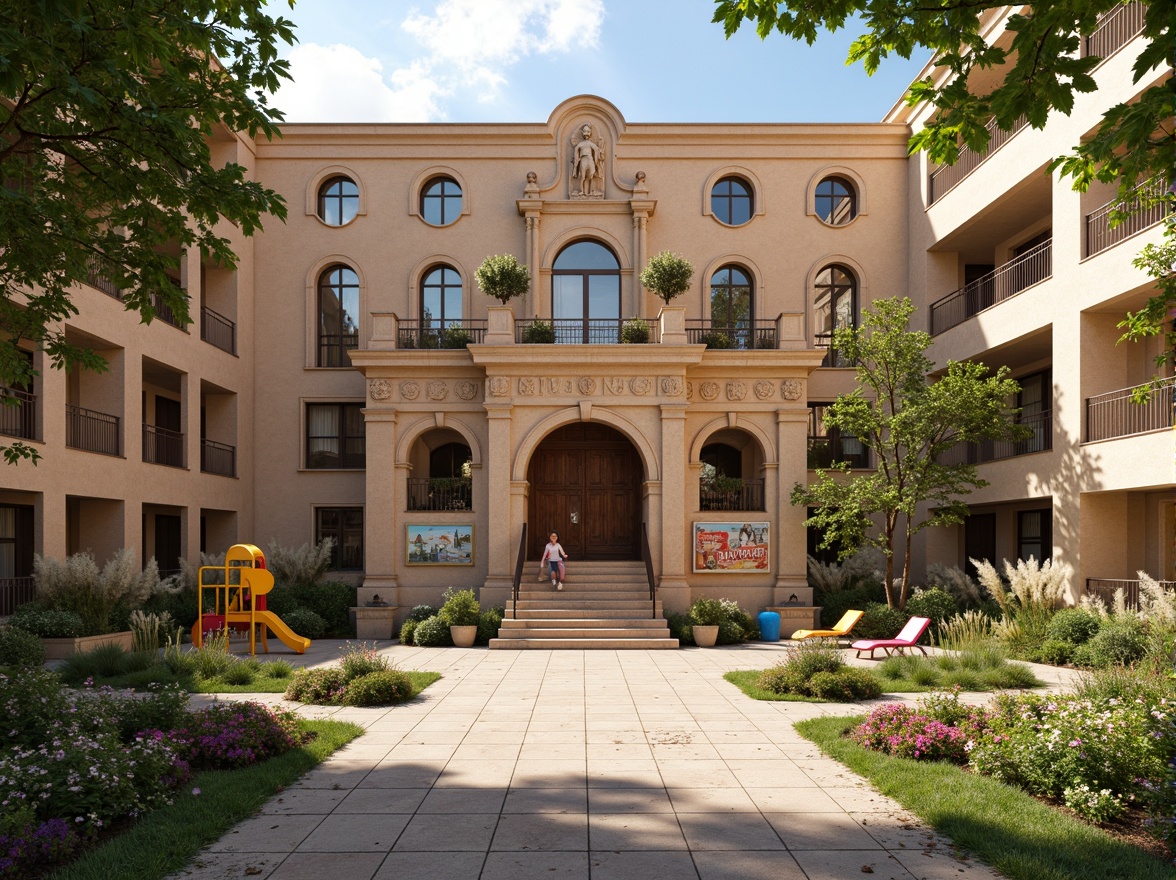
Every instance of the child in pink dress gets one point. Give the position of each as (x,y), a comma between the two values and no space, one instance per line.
(553,555)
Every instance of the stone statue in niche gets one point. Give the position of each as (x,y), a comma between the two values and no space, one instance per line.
(587,158)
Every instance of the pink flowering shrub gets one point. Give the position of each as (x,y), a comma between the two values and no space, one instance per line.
(902,731)
(229,735)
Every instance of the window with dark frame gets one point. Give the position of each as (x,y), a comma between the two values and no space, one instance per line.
(1035,534)
(338,309)
(836,201)
(441,201)
(338,201)
(834,307)
(450,461)
(441,304)
(345,525)
(731,201)
(335,436)
(586,294)
(732,305)
(720,459)
(828,446)
(16,541)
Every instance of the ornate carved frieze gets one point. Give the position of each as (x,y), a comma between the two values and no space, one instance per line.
(528,386)
(587,386)
(437,390)
(764,389)
(380,389)
(614,385)
(792,389)
(671,386)
(499,386)
(690,391)
(736,390)
(640,385)
(465,389)
(410,390)
(708,390)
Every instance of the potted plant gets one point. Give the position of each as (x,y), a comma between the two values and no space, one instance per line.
(455,337)
(539,333)
(667,275)
(461,612)
(705,617)
(716,339)
(635,332)
(503,277)
(726,492)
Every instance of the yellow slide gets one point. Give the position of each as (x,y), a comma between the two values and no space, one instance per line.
(296,643)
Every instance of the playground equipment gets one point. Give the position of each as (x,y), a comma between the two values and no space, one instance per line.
(239,589)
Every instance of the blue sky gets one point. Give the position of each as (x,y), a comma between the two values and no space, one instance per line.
(515,60)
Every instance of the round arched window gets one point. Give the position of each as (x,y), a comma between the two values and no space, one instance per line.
(338,201)
(441,201)
(441,297)
(586,294)
(338,308)
(836,201)
(731,201)
(731,306)
(834,305)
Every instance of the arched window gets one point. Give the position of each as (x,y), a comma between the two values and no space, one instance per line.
(834,307)
(720,459)
(450,461)
(338,201)
(731,201)
(731,307)
(338,311)
(586,294)
(441,298)
(441,201)
(836,201)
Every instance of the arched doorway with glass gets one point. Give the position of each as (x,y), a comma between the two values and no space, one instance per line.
(586,294)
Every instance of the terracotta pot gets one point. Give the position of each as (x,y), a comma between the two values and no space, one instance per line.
(705,636)
(463,636)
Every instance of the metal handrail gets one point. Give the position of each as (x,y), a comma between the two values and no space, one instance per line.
(744,335)
(1116,414)
(430,333)
(16,591)
(647,555)
(217,330)
(586,331)
(518,574)
(1105,589)
(91,430)
(1019,273)
(218,458)
(163,446)
(983,451)
(18,419)
(944,178)
(1141,213)
(833,357)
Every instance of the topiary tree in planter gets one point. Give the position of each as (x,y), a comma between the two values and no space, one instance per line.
(667,275)
(503,277)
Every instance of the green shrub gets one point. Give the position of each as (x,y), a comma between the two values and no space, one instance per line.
(422,612)
(238,674)
(330,600)
(731,633)
(835,604)
(716,339)
(539,333)
(77,584)
(489,622)
(666,275)
(360,660)
(324,685)
(502,277)
(707,612)
(461,608)
(1056,652)
(635,332)
(406,631)
(47,623)
(432,633)
(306,623)
(105,661)
(801,663)
(455,337)
(880,622)
(1074,625)
(182,606)
(20,648)
(212,659)
(378,689)
(680,627)
(281,600)
(846,685)
(277,669)
(139,661)
(935,604)
(1119,642)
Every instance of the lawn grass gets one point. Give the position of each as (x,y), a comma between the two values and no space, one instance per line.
(165,840)
(1013,832)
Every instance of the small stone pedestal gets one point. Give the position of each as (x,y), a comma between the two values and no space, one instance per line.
(374,622)
(794,617)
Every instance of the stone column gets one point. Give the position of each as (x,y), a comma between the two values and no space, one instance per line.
(533,250)
(791,537)
(504,529)
(672,587)
(382,538)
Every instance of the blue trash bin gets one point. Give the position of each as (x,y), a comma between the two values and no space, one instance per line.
(769,624)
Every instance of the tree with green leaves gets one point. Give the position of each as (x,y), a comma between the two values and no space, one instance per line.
(107,110)
(1040,71)
(908,423)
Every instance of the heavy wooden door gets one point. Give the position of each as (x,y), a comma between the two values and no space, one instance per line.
(586,485)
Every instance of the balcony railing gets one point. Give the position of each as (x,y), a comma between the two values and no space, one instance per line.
(1031,267)
(1115,414)
(824,452)
(945,177)
(18,414)
(439,493)
(744,335)
(218,458)
(438,334)
(332,349)
(574,331)
(98,281)
(163,446)
(165,312)
(749,495)
(90,430)
(1115,30)
(216,329)
(1145,208)
(14,592)
(1041,440)
(1105,589)
(833,358)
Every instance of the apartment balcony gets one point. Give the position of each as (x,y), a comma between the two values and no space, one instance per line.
(439,334)
(732,493)
(163,446)
(824,452)
(1105,589)
(18,414)
(1041,440)
(165,312)
(217,330)
(439,493)
(742,335)
(218,458)
(14,592)
(944,178)
(833,358)
(1031,267)
(100,282)
(1147,207)
(577,331)
(91,431)
(1116,414)
(1115,30)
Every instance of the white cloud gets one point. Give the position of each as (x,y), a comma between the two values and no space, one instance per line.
(468,45)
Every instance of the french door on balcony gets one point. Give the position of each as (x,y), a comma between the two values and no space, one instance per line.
(586,294)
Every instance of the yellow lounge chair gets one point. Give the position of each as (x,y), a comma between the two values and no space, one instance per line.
(842,628)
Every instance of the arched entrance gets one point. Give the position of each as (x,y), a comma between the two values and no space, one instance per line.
(586,484)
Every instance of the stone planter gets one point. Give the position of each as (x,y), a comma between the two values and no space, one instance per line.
(374,622)
(463,636)
(705,636)
(59,649)
(794,617)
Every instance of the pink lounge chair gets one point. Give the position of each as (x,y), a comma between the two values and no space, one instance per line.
(911,633)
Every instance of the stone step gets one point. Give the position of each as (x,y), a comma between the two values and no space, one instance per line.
(603,644)
(579,583)
(583,633)
(582,613)
(638,605)
(585,623)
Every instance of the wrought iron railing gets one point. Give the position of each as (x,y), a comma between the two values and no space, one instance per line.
(518,574)
(440,493)
(14,592)
(1116,28)
(943,178)
(332,348)
(824,452)
(163,446)
(218,458)
(1146,207)
(574,331)
(216,329)
(90,430)
(743,335)
(1040,440)
(165,312)
(18,413)
(1105,589)
(833,358)
(439,334)
(1115,414)
(1031,267)
(647,557)
(748,495)
(98,281)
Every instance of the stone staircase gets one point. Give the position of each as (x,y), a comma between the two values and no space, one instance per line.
(603,605)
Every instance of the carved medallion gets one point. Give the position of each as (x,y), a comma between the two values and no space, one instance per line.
(614,385)
(671,386)
(499,386)
(764,389)
(410,390)
(380,389)
(529,386)
(587,385)
(465,389)
(640,385)
(736,390)
(690,391)
(792,389)
(437,390)
(708,390)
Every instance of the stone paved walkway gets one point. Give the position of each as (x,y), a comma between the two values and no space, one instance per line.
(606,765)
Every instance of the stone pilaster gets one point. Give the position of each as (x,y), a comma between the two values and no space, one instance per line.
(501,500)
(791,538)
(672,586)
(382,529)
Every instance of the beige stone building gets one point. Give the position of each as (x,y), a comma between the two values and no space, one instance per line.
(350,380)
